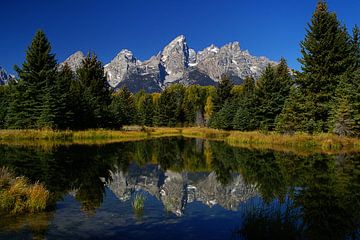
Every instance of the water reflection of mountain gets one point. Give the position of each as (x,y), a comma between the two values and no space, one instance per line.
(175,190)
(177,171)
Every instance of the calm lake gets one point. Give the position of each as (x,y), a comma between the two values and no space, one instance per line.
(193,189)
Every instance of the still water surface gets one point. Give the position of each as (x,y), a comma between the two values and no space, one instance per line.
(193,189)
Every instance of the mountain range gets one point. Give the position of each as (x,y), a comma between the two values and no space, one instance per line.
(178,63)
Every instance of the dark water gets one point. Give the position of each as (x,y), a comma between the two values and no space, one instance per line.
(194,189)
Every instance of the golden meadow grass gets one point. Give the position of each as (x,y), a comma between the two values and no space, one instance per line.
(18,195)
(301,142)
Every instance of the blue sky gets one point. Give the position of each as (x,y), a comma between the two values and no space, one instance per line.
(266,28)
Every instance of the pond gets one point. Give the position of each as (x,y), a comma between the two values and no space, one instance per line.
(192,189)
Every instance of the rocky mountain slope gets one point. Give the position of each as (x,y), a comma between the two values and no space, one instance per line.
(178,63)
(4,76)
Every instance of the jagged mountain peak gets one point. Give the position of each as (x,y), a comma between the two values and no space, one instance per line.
(235,46)
(78,54)
(120,67)
(210,49)
(178,63)
(181,39)
(74,61)
(175,59)
(126,53)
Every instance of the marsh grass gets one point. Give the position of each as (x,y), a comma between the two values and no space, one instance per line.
(301,142)
(138,203)
(18,196)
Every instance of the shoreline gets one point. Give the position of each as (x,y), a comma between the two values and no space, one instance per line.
(299,142)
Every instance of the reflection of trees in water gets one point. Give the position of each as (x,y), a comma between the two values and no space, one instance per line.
(38,225)
(327,188)
(271,221)
(330,197)
(65,168)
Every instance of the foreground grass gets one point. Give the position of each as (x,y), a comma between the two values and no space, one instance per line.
(299,142)
(18,196)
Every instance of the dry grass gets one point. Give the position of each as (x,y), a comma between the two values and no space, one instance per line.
(18,196)
(205,133)
(34,134)
(326,143)
(37,197)
(300,142)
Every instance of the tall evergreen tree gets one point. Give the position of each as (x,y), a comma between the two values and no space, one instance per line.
(343,123)
(245,118)
(297,114)
(65,114)
(223,119)
(223,92)
(325,58)
(4,103)
(95,91)
(346,104)
(146,110)
(36,75)
(272,89)
(123,108)
(355,47)
(170,112)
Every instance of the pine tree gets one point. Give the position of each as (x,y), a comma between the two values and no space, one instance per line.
(4,103)
(147,110)
(349,89)
(170,111)
(245,115)
(223,119)
(297,114)
(325,58)
(49,109)
(96,92)
(123,108)
(65,114)
(355,47)
(37,73)
(223,93)
(343,123)
(272,89)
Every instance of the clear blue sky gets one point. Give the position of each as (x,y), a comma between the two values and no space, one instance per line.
(269,28)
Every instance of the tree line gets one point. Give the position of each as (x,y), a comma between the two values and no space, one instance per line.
(323,97)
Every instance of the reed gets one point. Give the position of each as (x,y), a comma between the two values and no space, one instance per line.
(18,196)
(138,203)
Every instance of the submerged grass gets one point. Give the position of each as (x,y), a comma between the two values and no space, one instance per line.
(18,196)
(138,203)
(324,143)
